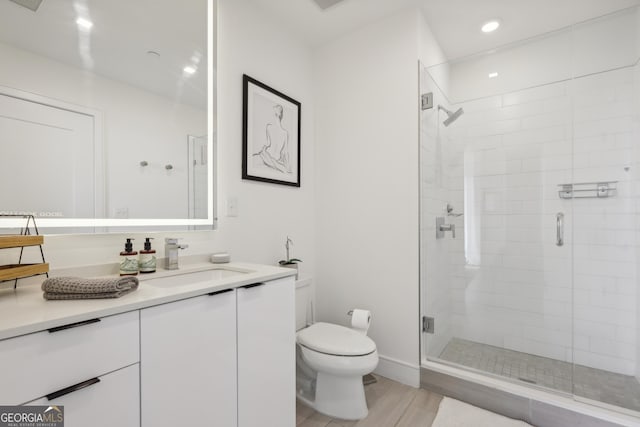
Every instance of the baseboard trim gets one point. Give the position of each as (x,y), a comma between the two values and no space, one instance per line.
(399,371)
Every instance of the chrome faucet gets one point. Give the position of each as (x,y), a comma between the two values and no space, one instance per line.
(171,248)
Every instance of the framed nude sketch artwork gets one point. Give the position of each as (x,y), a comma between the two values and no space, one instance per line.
(270,135)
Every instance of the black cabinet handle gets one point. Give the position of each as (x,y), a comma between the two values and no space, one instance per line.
(80,386)
(73,325)
(253,285)
(220,292)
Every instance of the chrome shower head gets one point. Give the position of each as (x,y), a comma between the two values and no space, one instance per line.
(451,116)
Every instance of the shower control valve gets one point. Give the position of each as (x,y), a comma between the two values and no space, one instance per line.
(449,227)
(441,227)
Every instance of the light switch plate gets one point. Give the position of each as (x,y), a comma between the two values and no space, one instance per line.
(232,206)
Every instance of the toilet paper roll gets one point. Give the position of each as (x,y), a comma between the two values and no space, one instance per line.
(360,320)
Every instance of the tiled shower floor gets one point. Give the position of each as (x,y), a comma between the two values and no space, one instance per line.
(596,384)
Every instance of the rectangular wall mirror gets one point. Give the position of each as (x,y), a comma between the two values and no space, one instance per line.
(108,114)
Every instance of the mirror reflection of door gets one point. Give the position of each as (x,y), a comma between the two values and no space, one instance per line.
(198,166)
(51,159)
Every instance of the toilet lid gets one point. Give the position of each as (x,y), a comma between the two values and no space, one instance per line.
(334,339)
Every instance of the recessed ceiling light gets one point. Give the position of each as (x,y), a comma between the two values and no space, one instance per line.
(490,26)
(493,75)
(84,23)
(189,69)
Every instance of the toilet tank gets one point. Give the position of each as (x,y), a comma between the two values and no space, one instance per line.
(304,303)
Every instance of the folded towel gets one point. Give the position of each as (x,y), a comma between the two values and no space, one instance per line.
(81,288)
(101,295)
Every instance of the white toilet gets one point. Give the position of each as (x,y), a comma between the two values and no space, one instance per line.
(331,361)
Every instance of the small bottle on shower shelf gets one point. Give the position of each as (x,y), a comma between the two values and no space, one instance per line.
(128,260)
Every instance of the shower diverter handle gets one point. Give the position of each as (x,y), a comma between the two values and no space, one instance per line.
(449,227)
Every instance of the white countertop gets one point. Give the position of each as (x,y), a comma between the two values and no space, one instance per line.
(24,310)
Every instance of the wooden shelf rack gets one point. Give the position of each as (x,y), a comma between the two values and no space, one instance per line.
(24,239)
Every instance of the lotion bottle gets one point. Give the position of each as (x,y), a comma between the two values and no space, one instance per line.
(147,261)
(128,260)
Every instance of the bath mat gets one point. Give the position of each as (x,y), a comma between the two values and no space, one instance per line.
(453,413)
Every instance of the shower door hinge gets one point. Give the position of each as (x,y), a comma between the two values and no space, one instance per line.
(426,101)
(428,324)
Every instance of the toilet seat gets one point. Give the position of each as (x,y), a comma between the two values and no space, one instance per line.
(335,340)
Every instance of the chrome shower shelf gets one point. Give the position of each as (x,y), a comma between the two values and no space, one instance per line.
(588,190)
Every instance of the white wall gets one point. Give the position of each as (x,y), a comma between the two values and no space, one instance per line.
(267,213)
(137,125)
(253,42)
(367,184)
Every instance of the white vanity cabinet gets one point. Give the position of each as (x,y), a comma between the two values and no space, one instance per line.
(188,368)
(200,367)
(163,356)
(101,354)
(266,354)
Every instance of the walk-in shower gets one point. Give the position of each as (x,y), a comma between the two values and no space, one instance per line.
(540,286)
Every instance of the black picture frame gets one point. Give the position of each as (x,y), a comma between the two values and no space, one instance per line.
(270,134)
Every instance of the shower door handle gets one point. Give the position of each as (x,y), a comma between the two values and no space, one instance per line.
(559,229)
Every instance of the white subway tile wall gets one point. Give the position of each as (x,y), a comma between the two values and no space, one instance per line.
(510,285)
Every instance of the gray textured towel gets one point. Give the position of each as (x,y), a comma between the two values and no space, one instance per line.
(59,288)
(101,295)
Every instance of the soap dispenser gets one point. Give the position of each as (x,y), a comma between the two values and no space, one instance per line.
(147,261)
(128,260)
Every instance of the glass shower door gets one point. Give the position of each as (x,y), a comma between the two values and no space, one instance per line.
(500,292)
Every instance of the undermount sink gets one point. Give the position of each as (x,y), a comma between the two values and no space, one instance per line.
(183,279)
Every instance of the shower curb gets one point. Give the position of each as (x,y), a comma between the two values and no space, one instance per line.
(530,410)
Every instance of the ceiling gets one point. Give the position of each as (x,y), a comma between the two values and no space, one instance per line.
(117,44)
(455,23)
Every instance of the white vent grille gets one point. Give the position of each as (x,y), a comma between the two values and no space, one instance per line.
(29,4)
(324,4)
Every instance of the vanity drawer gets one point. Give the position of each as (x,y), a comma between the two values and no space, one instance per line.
(34,365)
(106,401)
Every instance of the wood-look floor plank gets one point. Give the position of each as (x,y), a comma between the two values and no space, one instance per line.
(421,411)
(341,423)
(390,404)
(389,407)
(316,419)
(302,412)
